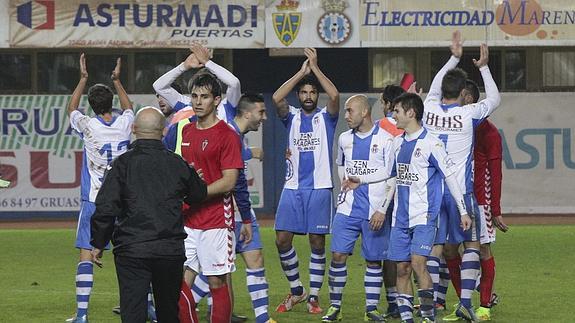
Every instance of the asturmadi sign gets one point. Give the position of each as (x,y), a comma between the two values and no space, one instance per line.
(42,156)
(423,23)
(136,24)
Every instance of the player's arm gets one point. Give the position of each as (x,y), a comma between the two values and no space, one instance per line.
(225,184)
(125,103)
(77,94)
(326,84)
(242,197)
(492,96)
(163,85)
(456,52)
(234,91)
(108,207)
(447,168)
(281,104)
(494,164)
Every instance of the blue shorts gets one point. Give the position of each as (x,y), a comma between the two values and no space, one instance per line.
(405,242)
(305,211)
(255,244)
(347,229)
(455,234)
(83,233)
(443,219)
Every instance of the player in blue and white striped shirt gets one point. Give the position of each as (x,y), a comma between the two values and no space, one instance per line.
(306,205)
(420,164)
(454,124)
(362,150)
(105,137)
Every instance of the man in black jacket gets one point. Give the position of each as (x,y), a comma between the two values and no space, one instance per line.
(139,209)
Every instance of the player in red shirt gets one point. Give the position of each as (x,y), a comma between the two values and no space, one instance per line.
(214,150)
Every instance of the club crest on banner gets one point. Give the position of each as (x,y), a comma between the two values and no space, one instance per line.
(286,22)
(334,27)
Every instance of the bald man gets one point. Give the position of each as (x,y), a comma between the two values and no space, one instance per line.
(362,152)
(138,208)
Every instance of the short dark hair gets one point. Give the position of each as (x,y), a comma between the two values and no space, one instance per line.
(247,100)
(308,80)
(453,83)
(410,101)
(391,92)
(204,78)
(473,89)
(100,97)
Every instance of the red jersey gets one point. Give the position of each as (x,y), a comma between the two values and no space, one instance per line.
(487,172)
(211,150)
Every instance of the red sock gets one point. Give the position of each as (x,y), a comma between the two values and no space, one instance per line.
(221,305)
(454,266)
(187,305)
(487,278)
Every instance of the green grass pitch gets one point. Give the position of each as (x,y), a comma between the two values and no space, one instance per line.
(535,278)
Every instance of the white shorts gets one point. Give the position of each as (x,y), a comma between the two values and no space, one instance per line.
(210,252)
(487,227)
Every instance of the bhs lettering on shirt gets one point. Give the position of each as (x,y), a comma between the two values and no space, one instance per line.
(306,142)
(451,123)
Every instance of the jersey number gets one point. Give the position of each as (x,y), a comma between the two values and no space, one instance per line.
(107,150)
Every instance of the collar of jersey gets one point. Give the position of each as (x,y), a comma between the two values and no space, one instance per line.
(449,106)
(105,122)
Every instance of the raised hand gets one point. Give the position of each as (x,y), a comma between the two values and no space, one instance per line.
(456,44)
(311,55)
(192,62)
(202,53)
(483,56)
(413,89)
(83,69)
(305,69)
(116,71)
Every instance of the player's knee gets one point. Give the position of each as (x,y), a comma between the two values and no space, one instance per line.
(317,242)
(254,260)
(403,270)
(217,281)
(450,251)
(485,251)
(339,258)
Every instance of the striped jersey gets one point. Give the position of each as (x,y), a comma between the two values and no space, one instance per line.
(310,142)
(455,125)
(103,141)
(421,163)
(363,154)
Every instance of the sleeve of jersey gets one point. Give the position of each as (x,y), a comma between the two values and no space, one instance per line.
(242,197)
(288,118)
(234,91)
(435,88)
(163,87)
(340,159)
(441,160)
(492,96)
(231,152)
(495,171)
(331,120)
(170,138)
(127,118)
(79,121)
(108,207)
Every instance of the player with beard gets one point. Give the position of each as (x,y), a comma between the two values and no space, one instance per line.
(306,205)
